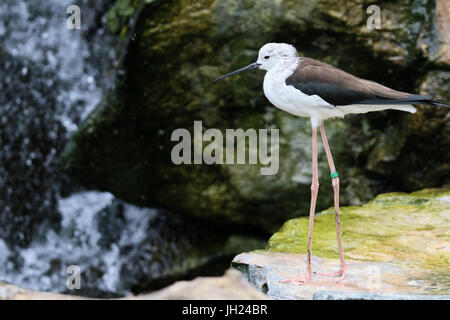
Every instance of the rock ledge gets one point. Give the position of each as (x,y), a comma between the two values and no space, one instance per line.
(365,280)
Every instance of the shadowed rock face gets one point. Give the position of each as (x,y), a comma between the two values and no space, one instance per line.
(180,46)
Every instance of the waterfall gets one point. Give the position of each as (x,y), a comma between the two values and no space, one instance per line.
(52,78)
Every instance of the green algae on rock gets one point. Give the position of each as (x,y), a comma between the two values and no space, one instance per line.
(412,230)
(365,280)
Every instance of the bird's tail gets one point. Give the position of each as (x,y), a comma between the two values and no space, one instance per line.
(426,100)
(436,103)
(412,99)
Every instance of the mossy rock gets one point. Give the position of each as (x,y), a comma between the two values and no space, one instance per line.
(180,46)
(408,229)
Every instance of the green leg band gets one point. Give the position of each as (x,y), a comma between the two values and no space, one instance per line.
(334,175)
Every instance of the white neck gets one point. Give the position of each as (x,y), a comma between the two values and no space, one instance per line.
(285,68)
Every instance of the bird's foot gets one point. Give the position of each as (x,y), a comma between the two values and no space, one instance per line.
(302,280)
(340,274)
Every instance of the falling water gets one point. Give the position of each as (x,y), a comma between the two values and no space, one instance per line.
(82,241)
(52,78)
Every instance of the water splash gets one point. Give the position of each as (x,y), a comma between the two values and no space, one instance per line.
(52,78)
(36,31)
(83,241)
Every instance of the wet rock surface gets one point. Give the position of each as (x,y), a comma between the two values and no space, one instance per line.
(326,295)
(396,246)
(366,280)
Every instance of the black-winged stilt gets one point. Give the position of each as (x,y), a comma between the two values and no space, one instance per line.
(309,88)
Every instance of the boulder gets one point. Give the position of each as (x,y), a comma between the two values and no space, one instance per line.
(230,286)
(397,247)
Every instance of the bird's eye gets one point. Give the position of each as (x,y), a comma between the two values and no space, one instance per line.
(266,57)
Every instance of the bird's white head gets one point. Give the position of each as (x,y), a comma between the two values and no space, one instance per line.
(270,56)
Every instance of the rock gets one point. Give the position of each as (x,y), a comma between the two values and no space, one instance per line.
(399,152)
(395,246)
(125,145)
(231,286)
(364,280)
(11,292)
(324,295)
(440,50)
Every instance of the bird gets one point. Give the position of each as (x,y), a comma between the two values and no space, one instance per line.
(306,87)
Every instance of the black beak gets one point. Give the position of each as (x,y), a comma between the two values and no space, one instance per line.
(249,67)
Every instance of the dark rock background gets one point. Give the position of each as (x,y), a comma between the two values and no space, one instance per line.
(181,46)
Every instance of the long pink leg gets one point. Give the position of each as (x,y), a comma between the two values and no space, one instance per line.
(335,182)
(314,191)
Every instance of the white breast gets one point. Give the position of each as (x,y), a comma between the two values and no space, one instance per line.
(292,100)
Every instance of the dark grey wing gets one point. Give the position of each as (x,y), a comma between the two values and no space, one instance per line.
(340,88)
